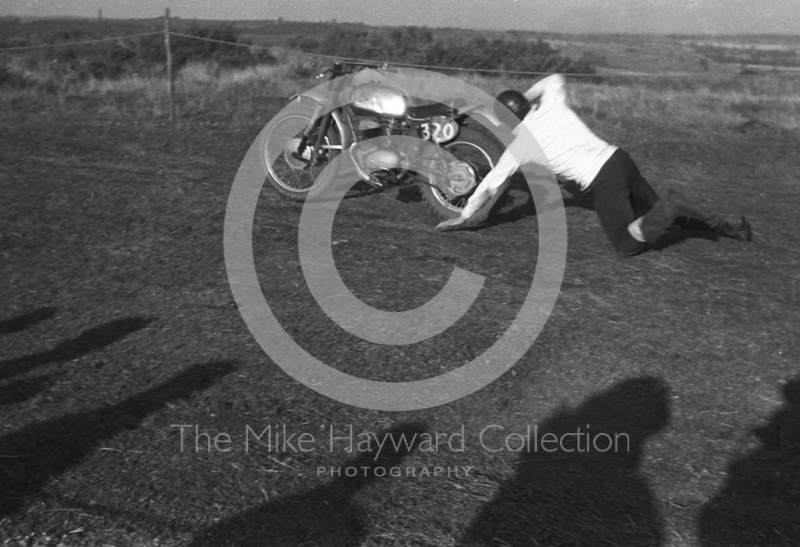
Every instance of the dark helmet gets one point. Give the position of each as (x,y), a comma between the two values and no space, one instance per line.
(515,102)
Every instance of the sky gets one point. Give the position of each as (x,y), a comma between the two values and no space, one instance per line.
(638,16)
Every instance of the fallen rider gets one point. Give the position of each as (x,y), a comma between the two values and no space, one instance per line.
(633,216)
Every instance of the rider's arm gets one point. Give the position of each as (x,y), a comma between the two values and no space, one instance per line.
(506,166)
(547,89)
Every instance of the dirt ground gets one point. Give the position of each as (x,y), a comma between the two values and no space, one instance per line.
(121,346)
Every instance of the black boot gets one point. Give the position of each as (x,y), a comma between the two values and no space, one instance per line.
(735,227)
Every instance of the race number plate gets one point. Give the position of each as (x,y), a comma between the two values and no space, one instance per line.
(438,129)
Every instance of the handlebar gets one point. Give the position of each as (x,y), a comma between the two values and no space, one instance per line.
(352,66)
(347,67)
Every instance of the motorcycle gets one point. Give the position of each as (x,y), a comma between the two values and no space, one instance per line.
(373,109)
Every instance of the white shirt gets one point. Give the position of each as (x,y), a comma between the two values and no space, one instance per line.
(570,149)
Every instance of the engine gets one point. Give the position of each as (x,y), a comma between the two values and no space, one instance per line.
(373,157)
(381,159)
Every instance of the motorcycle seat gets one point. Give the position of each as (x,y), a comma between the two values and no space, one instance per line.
(430,110)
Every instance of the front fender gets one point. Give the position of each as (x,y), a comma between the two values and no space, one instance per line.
(311,96)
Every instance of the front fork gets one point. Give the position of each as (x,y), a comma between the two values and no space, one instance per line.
(322,124)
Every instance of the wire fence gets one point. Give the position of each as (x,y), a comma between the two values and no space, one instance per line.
(605,73)
(336,58)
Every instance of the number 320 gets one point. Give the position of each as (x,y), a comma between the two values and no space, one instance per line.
(439,129)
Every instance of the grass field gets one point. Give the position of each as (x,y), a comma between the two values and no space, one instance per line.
(118,326)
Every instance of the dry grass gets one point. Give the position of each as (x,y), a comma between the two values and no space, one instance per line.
(204,89)
(770,100)
(682,101)
(201,89)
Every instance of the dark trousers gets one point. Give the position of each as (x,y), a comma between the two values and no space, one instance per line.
(621,195)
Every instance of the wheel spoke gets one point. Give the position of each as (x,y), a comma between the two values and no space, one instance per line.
(288,172)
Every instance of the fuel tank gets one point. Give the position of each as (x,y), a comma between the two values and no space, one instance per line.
(377,99)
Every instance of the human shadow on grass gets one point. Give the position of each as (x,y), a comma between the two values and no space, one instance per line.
(86,342)
(35,454)
(588,489)
(22,390)
(759,505)
(324,516)
(25,320)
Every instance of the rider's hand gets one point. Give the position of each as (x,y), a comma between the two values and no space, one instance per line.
(452,224)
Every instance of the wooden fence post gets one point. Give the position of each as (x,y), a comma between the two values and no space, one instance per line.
(170,85)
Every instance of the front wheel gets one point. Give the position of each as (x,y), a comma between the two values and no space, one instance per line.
(479,149)
(289,173)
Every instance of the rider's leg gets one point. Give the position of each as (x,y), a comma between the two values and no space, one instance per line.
(617,205)
(652,217)
(674,206)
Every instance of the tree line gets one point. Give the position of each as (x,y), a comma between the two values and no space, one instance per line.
(418,45)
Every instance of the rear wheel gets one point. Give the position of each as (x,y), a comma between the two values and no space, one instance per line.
(479,149)
(292,176)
